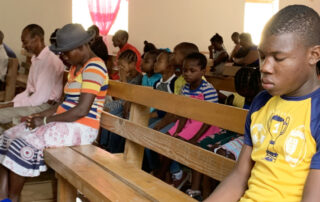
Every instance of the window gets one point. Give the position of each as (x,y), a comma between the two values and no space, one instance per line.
(81,15)
(256,15)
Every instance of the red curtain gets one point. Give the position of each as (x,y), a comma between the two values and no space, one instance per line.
(103,13)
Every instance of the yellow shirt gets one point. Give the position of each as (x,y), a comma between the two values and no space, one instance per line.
(284,144)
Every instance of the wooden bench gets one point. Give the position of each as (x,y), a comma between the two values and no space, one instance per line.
(225,81)
(221,82)
(102,176)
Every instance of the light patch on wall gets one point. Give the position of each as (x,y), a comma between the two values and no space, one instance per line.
(256,15)
(81,15)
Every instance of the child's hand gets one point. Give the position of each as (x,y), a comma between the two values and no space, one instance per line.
(153,115)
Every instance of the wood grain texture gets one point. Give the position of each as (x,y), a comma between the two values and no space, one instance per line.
(221,82)
(223,116)
(133,152)
(89,178)
(142,182)
(209,163)
(66,192)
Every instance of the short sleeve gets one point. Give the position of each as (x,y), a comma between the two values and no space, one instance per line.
(247,131)
(93,77)
(315,161)
(210,94)
(315,130)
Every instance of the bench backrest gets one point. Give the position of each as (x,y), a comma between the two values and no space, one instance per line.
(138,135)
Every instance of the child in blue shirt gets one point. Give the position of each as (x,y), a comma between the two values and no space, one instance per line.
(147,66)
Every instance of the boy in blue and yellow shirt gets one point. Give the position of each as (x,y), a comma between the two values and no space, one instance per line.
(280,160)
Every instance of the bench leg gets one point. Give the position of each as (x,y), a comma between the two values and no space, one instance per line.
(66,192)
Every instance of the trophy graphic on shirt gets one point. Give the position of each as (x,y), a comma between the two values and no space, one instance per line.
(276,126)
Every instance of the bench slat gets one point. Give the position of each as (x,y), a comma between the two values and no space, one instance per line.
(133,152)
(221,83)
(92,180)
(220,115)
(140,181)
(209,163)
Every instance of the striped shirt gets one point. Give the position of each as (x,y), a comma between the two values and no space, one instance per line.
(91,78)
(205,89)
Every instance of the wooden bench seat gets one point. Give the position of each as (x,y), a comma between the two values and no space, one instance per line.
(88,177)
(102,176)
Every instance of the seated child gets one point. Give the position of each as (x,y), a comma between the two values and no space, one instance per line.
(120,40)
(279,160)
(219,54)
(193,70)
(180,52)
(127,64)
(193,131)
(158,118)
(147,66)
(163,66)
(148,47)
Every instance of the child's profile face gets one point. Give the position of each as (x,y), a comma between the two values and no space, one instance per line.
(192,72)
(147,64)
(126,67)
(162,63)
(284,65)
(178,57)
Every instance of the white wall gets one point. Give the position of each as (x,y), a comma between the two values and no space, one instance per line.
(16,14)
(315,4)
(169,22)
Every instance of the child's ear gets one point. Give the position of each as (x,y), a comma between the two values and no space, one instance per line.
(203,71)
(314,55)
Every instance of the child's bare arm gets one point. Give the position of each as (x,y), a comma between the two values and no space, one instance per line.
(202,130)
(182,123)
(167,119)
(233,187)
(311,192)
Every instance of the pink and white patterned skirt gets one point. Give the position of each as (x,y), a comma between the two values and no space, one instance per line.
(21,150)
